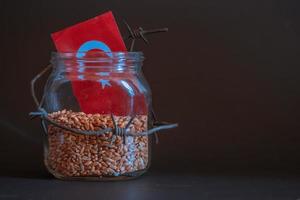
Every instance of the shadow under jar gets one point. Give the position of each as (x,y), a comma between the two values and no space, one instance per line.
(89,92)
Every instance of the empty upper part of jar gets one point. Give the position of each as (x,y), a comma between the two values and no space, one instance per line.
(98,82)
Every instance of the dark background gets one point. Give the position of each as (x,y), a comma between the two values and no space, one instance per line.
(227,72)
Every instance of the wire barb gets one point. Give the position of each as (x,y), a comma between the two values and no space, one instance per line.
(141,33)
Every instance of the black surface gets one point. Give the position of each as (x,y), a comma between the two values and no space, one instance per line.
(157,186)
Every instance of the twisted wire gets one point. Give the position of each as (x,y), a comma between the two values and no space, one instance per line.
(140,33)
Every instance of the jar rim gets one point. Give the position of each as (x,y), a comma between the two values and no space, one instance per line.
(99,55)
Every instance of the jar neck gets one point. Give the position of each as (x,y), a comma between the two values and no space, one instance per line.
(97,62)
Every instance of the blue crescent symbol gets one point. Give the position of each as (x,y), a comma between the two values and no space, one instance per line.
(91,45)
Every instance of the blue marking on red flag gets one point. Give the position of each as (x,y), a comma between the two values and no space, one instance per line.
(104,83)
(92,45)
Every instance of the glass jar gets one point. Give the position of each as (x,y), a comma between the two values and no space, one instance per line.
(91,92)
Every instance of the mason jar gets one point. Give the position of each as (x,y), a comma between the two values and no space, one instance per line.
(90,92)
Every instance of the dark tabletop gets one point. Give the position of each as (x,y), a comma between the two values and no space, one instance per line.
(155,186)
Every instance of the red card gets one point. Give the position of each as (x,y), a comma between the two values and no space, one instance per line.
(102,28)
(99,33)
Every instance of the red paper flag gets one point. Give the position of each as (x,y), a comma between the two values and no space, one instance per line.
(100,33)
